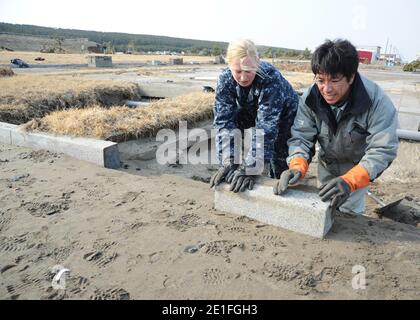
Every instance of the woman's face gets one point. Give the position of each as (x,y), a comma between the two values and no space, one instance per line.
(241,71)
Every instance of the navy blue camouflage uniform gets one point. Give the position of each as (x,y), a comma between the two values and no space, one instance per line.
(270,104)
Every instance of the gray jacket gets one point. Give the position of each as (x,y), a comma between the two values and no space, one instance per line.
(365,134)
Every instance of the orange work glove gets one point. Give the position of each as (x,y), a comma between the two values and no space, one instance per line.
(357,178)
(299,164)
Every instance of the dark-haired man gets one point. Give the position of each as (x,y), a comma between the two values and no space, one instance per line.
(354,123)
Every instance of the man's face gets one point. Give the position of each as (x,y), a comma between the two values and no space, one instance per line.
(242,71)
(333,88)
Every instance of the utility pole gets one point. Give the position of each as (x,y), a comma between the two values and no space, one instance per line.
(272,56)
(386,51)
(390,53)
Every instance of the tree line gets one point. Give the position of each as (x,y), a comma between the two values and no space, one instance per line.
(124,42)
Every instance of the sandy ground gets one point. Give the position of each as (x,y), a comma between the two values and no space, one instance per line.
(157,236)
(150,232)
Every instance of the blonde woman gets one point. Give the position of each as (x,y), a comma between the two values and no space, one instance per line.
(252,94)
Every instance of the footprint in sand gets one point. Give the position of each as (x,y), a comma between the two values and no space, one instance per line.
(128,197)
(220,248)
(100,259)
(281,272)
(22,180)
(40,284)
(92,191)
(7,268)
(305,281)
(16,244)
(101,244)
(61,254)
(155,257)
(237,229)
(39,155)
(135,226)
(184,223)
(214,276)
(244,219)
(272,241)
(111,294)
(77,285)
(42,209)
(101,256)
(5,220)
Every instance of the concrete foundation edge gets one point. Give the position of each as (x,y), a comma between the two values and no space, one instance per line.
(99,152)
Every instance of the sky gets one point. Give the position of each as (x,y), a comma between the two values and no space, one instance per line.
(296,24)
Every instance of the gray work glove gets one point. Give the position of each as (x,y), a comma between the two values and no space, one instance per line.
(222,174)
(240,181)
(287,178)
(277,166)
(337,190)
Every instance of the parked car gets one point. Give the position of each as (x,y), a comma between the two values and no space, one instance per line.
(19,63)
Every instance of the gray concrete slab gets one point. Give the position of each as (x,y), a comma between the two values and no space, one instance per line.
(5,132)
(409,122)
(102,153)
(171,83)
(168,90)
(297,210)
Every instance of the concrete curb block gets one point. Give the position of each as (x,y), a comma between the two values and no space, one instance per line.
(298,211)
(168,90)
(102,153)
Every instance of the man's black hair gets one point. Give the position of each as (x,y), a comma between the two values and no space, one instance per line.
(335,57)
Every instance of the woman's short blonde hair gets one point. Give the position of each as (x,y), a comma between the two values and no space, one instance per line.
(240,49)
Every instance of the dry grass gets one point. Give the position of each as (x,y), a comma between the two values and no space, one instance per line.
(71,104)
(6,72)
(122,123)
(24,97)
(30,86)
(76,58)
(299,80)
(50,58)
(295,67)
(141,71)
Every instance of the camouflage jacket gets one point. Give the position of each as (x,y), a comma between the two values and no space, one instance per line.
(270,104)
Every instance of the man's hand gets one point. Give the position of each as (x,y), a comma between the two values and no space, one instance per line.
(337,190)
(277,166)
(287,178)
(239,181)
(223,173)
